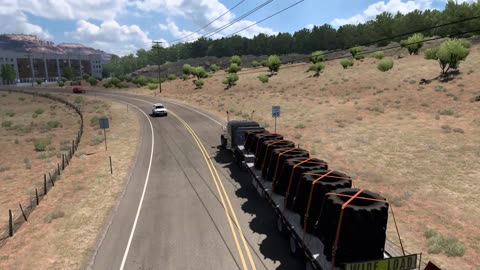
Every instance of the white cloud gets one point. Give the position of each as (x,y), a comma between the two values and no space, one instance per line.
(176,32)
(309,26)
(111,36)
(72,9)
(392,6)
(13,21)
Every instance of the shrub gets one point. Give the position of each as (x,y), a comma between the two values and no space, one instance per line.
(264,63)
(152,86)
(385,64)
(92,81)
(86,76)
(41,144)
(413,43)
(53,124)
(346,63)
(10,114)
(198,83)
(446,112)
(39,111)
(39,81)
(449,245)
(263,78)
(141,81)
(230,80)
(63,79)
(357,52)
(187,69)
(236,60)
(199,72)
(28,164)
(233,68)
(184,77)
(78,100)
(214,68)
(172,77)
(94,121)
(108,84)
(378,55)
(449,54)
(7,124)
(60,83)
(316,57)
(255,63)
(128,78)
(317,68)
(300,126)
(115,81)
(274,63)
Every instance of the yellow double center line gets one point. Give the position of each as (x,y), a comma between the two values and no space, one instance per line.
(223,197)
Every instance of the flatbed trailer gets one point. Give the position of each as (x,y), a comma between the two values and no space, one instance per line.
(304,244)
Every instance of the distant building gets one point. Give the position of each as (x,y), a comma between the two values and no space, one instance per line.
(30,67)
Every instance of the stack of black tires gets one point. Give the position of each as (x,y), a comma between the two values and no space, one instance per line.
(317,195)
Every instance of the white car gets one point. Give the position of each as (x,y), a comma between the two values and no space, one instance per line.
(159,109)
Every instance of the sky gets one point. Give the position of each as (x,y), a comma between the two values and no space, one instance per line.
(124,26)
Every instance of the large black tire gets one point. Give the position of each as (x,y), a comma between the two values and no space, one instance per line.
(334,180)
(223,141)
(259,138)
(277,161)
(265,151)
(282,182)
(363,230)
(250,135)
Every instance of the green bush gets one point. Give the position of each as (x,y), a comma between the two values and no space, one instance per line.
(184,77)
(357,52)
(142,81)
(53,124)
(92,81)
(255,63)
(264,63)
(449,54)
(152,86)
(39,111)
(10,114)
(198,83)
(346,63)
(187,69)
(385,64)
(316,57)
(379,55)
(233,68)
(115,81)
(7,124)
(449,245)
(60,83)
(274,63)
(465,43)
(41,144)
(230,80)
(128,78)
(214,68)
(172,77)
(413,43)
(236,60)
(86,76)
(123,85)
(199,72)
(108,84)
(263,78)
(39,81)
(317,68)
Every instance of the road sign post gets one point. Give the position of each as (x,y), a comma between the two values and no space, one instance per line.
(275,115)
(104,125)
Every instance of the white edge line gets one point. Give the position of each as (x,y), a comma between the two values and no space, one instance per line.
(143,193)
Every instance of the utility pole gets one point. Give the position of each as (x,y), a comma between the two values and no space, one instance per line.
(156,45)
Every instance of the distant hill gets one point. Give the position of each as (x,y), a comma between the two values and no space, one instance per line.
(33,44)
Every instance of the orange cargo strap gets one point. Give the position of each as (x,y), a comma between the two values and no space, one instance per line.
(338,177)
(265,160)
(291,178)
(278,160)
(310,199)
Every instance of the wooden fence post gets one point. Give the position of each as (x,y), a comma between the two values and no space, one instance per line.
(23,213)
(111,168)
(45,184)
(36,195)
(51,179)
(10,222)
(58,167)
(63,161)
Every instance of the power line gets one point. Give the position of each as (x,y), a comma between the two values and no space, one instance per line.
(239,18)
(254,70)
(205,26)
(276,13)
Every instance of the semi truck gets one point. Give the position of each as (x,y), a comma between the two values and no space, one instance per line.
(328,221)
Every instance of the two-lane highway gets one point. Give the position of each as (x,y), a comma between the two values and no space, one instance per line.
(186,206)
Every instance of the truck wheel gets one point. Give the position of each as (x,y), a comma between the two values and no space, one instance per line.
(295,249)
(223,141)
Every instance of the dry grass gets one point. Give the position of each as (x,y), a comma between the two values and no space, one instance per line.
(383,127)
(61,233)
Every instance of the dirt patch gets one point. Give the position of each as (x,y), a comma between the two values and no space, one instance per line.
(61,233)
(403,133)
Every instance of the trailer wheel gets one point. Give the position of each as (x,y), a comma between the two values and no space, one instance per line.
(295,249)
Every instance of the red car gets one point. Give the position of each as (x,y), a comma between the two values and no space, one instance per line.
(79,90)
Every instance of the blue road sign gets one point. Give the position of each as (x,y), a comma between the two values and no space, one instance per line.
(275,111)
(103,122)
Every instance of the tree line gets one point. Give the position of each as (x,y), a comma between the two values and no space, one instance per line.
(305,41)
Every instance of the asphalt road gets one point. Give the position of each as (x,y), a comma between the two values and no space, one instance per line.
(174,213)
